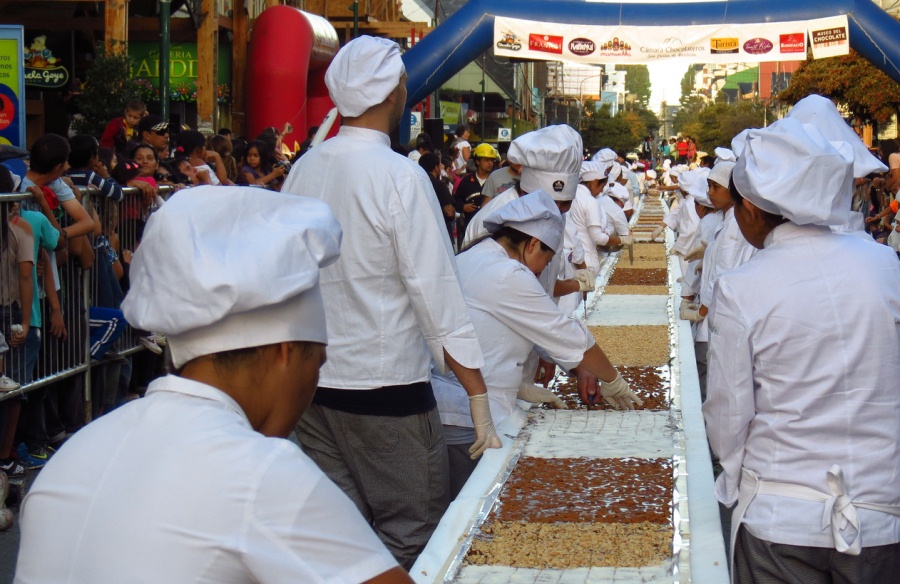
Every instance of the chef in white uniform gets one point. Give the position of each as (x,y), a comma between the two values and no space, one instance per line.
(393,304)
(589,219)
(803,406)
(612,202)
(512,314)
(196,482)
(693,183)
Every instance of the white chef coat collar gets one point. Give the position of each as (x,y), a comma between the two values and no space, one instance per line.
(789,230)
(175,384)
(358,133)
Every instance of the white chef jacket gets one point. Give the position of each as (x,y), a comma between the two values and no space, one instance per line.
(804,363)
(392,300)
(511,313)
(616,221)
(177,487)
(706,233)
(726,252)
(475,229)
(687,226)
(590,222)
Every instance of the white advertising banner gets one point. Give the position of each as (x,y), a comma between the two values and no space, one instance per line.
(709,43)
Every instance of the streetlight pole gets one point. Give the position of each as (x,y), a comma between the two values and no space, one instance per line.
(164,14)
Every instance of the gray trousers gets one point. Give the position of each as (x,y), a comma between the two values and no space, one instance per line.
(393,468)
(757,561)
(700,351)
(461,467)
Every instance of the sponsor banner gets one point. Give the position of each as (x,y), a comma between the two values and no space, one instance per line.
(829,37)
(12,85)
(712,43)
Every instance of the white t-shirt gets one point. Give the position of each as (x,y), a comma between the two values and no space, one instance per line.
(177,487)
(460,162)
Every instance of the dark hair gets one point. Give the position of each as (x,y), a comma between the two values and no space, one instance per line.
(6,184)
(48,152)
(224,131)
(269,138)
(709,160)
(461,129)
(265,161)
(83,148)
(190,140)
(514,236)
(311,132)
(106,156)
(136,105)
(429,161)
(126,170)
(220,144)
(772,220)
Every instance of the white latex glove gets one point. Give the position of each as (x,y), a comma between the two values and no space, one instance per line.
(691,312)
(586,280)
(657,232)
(627,240)
(534,394)
(485,434)
(618,394)
(685,303)
(696,253)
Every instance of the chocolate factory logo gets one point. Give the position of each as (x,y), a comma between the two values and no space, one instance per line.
(582,47)
(758,46)
(558,186)
(794,42)
(545,43)
(829,37)
(510,42)
(724,46)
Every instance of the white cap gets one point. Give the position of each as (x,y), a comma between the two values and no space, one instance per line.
(725,155)
(739,142)
(651,174)
(363,74)
(676,170)
(514,154)
(693,183)
(591,170)
(821,112)
(224,268)
(667,164)
(534,214)
(617,191)
(615,173)
(551,161)
(791,169)
(721,173)
(605,155)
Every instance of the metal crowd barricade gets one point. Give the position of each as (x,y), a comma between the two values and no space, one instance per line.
(70,359)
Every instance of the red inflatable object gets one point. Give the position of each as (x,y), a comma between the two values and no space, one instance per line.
(285,82)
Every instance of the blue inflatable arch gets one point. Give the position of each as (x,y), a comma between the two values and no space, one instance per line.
(874,34)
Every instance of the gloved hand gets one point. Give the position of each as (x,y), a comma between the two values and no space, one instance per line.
(586,280)
(485,434)
(690,312)
(696,253)
(657,232)
(627,240)
(618,394)
(534,394)
(685,303)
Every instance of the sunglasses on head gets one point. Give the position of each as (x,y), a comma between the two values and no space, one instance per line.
(160,132)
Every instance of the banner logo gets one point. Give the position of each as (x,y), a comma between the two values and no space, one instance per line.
(545,43)
(829,37)
(792,43)
(758,46)
(582,47)
(510,42)
(724,46)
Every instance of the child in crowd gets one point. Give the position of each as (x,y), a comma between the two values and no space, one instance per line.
(186,173)
(222,146)
(193,144)
(119,131)
(258,169)
(86,169)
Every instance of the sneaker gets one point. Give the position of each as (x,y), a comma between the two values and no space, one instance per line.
(36,459)
(12,468)
(150,343)
(7,384)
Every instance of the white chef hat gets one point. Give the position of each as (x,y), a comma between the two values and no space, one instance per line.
(791,169)
(721,172)
(604,155)
(514,154)
(363,73)
(821,112)
(693,182)
(591,170)
(615,173)
(617,191)
(676,170)
(534,214)
(651,174)
(725,155)
(551,161)
(739,142)
(218,277)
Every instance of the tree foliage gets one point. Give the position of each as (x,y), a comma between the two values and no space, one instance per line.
(850,80)
(715,124)
(622,132)
(687,82)
(108,87)
(637,82)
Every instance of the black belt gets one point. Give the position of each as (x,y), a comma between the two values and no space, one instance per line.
(393,400)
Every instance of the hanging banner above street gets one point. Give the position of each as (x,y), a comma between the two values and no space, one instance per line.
(714,43)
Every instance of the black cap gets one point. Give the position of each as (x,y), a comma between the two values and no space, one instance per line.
(152,123)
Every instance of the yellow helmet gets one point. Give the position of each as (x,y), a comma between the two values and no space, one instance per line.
(485,151)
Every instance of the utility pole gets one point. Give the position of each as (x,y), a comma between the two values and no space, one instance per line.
(164,35)
(482,97)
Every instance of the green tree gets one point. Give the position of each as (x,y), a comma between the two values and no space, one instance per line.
(713,124)
(108,87)
(600,129)
(850,80)
(687,83)
(637,82)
